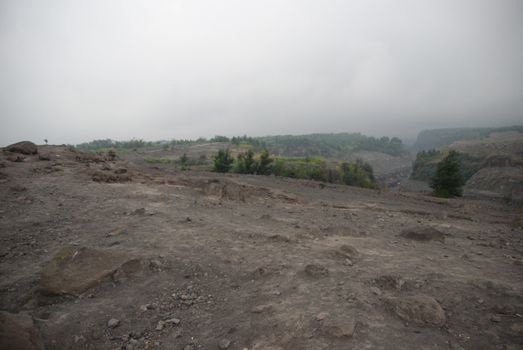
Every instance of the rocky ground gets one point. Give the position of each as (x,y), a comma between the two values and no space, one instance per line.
(102,253)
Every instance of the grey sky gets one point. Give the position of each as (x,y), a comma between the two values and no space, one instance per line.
(72,71)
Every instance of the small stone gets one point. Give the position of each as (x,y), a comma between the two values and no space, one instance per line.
(78,338)
(261,308)
(113,323)
(146,307)
(375,290)
(224,344)
(348,262)
(173,321)
(160,325)
(321,316)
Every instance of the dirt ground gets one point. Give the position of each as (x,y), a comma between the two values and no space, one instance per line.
(108,254)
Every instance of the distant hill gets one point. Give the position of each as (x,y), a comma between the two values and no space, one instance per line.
(501,152)
(339,145)
(437,138)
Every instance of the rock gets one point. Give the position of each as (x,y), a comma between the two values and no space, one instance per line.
(120,171)
(338,328)
(420,309)
(173,321)
(14,158)
(139,211)
(116,232)
(423,234)
(347,252)
(188,347)
(375,290)
(348,262)
(24,147)
(316,270)
(44,157)
(73,270)
(261,308)
(224,344)
(389,282)
(17,331)
(113,323)
(321,316)
(160,325)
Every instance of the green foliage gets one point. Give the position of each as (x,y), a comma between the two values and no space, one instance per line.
(264,165)
(158,160)
(219,138)
(448,181)
(330,145)
(425,165)
(245,163)
(223,161)
(358,174)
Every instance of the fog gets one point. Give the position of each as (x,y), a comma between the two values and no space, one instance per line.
(73,71)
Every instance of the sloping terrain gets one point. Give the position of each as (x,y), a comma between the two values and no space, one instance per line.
(105,253)
(491,165)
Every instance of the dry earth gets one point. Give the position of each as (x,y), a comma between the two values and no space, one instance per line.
(98,253)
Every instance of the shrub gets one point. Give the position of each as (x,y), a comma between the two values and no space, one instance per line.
(448,181)
(245,163)
(264,165)
(223,161)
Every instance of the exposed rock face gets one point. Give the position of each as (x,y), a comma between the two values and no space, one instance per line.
(18,332)
(423,234)
(420,309)
(24,147)
(73,270)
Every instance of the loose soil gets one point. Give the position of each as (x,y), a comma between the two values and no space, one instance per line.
(107,253)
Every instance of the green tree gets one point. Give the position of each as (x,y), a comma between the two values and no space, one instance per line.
(448,181)
(245,163)
(183,161)
(223,161)
(264,166)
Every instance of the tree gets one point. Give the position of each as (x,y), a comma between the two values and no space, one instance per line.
(448,181)
(264,166)
(223,161)
(183,161)
(245,163)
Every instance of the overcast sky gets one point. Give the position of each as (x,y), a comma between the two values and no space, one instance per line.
(73,71)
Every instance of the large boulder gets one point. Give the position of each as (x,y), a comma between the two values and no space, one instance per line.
(24,147)
(419,309)
(17,331)
(73,270)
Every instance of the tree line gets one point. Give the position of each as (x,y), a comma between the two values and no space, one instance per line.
(358,173)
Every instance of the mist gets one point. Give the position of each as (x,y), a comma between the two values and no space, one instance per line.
(73,71)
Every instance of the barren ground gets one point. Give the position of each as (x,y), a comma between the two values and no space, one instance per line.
(192,260)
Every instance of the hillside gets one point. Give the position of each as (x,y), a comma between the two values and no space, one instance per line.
(388,156)
(437,138)
(481,159)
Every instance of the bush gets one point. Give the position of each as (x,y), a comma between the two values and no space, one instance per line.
(223,161)
(358,174)
(245,163)
(264,165)
(448,181)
